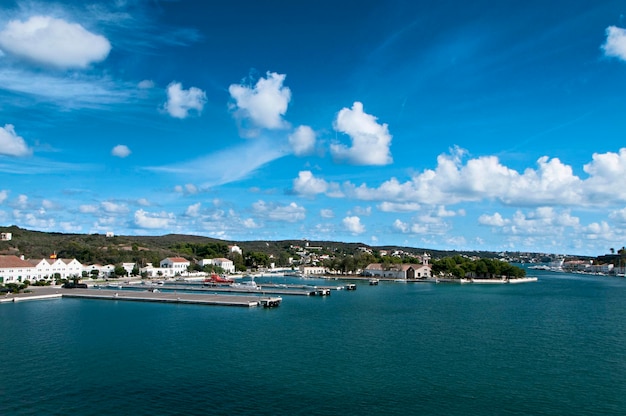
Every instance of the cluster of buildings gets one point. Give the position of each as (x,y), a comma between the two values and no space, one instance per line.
(14,269)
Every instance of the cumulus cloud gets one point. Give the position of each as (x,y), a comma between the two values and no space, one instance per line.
(181,102)
(550,183)
(370,140)
(51,41)
(279,212)
(113,208)
(307,184)
(540,221)
(11,144)
(263,105)
(4,194)
(327,213)
(120,150)
(353,224)
(412,228)
(615,45)
(150,220)
(617,215)
(398,206)
(88,209)
(193,210)
(302,141)
(494,220)
(187,189)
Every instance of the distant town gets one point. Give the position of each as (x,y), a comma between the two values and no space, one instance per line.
(199,258)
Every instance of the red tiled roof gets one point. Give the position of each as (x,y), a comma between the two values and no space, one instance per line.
(13,261)
(178,259)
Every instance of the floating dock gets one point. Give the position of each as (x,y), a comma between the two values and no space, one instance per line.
(161,297)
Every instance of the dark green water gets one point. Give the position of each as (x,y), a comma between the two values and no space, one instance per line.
(553,347)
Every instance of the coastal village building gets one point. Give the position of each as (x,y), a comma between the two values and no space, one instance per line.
(14,269)
(227,265)
(6,236)
(235,249)
(48,269)
(400,271)
(312,270)
(172,266)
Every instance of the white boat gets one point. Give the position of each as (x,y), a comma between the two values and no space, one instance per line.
(373,282)
(522,280)
(248,284)
(489,281)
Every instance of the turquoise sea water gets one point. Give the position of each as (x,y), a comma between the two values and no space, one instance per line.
(554,347)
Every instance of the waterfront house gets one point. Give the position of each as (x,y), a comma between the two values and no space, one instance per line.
(49,268)
(398,271)
(312,270)
(172,266)
(227,265)
(14,269)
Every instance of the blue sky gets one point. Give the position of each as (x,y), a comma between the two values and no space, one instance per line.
(447,125)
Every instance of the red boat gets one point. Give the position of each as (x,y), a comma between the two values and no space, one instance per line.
(217,279)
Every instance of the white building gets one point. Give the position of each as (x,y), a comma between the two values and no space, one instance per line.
(398,271)
(312,270)
(227,265)
(235,249)
(14,269)
(48,269)
(6,236)
(173,266)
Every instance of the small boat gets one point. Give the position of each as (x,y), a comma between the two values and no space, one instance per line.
(351,286)
(373,282)
(248,284)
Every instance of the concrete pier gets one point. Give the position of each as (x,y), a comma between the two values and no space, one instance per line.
(162,297)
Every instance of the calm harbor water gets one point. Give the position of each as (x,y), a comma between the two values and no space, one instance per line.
(553,347)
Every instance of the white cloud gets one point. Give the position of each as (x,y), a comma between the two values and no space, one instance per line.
(415,228)
(399,206)
(4,194)
(68,227)
(88,209)
(180,101)
(370,140)
(11,144)
(367,211)
(22,201)
(353,225)
(542,221)
(120,150)
(187,189)
(615,45)
(143,202)
(278,212)
(307,184)
(146,84)
(264,104)
(193,210)
(52,41)
(617,215)
(150,220)
(302,141)
(327,213)
(77,91)
(113,208)
(453,181)
(228,165)
(249,223)
(494,220)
